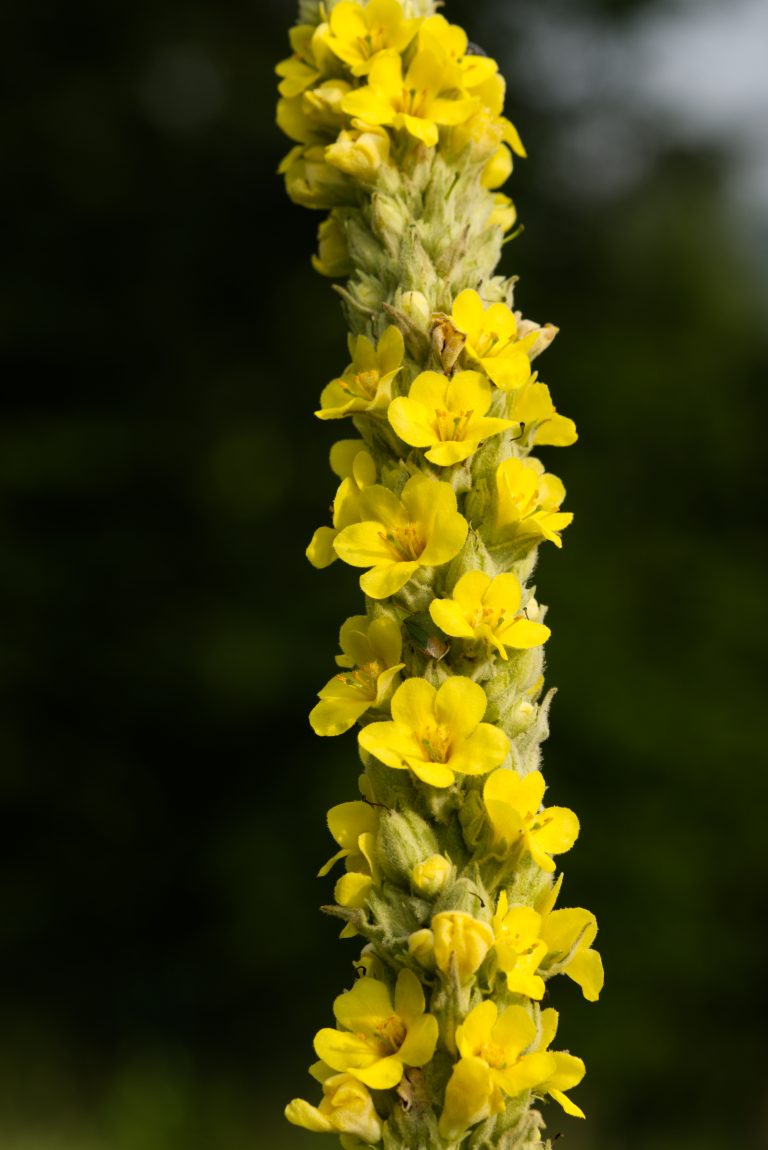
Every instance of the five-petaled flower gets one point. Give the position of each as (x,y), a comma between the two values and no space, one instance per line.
(569,933)
(371,658)
(494,1062)
(437,733)
(366,385)
(423,528)
(358,35)
(447,415)
(488,609)
(519,947)
(527,504)
(514,810)
(356,469)
(493,340)
(379,1039)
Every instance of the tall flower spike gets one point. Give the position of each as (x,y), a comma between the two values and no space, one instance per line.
(446,859)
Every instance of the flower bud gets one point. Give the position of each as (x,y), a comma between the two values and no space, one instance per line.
(359,154)
(429,877)
(332,257)
(458,935)
(421,945)
(415,306)
(347,1108)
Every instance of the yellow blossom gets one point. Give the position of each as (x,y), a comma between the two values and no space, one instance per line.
(360,152)
(519,947)
(309,62)
(379,1039)
(492,339)
(533,407)
(310,181)
(353,826)
(447,415)
(316,115)
(358,35)
(527,504)
(450,42)
(568,1070)
(366,385)
(461,940)
(346,1108)
(416,101)
(493,1064)
(430,876)
(504,215)
(514,809)
(371,658)
(498,169)
(332,257)
(488,610)
(356,469)
(569,933)
(398,536)
(437,733)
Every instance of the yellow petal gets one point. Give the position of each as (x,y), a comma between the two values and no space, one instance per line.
(475,1031)
(586,970)
(568,1106)
(390,743)
(460,704)
(332,717)
(386,640)
(508,372)
(411,421)
(472,588)
(429,389)
(467,1098)
(413,704)
(557,830)
(390,349)
(450,452)
(363,545)
(468,313)
(364,1007)
(450,617)
(523,634)
(300,1113)
(514,1031)
(352,889)
(321,552)
(367,104)
(344,1051)
(382,1075)
(487,747)
(347,821)
(569,1071)
(448,536)
(434,774)
(420,1042)
(531,1070)
(409,997)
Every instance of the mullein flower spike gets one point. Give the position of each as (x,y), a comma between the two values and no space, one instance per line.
(448,854)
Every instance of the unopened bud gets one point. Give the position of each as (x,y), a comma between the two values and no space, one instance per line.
(421,946)
(429,877)
(461,938)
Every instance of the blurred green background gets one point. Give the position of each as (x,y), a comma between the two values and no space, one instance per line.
(164,341)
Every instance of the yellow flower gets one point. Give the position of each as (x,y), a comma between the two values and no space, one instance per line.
(493,1063)
(514,809)
(366,385)
(498,169)
(568,1070)
(519,947)
(504,214)
(492,339)
(316,115)
(429,877)
(527,503)
(437,733)
(379,1039)
(371,655)
(415,101)
(488,609)
(533,407)
(358,35)
(310,60)
(346,1108)
(353,825)
(461,939)
(360,153)
(398,536)
(332,257)
(450,43)
(569,934)
(356,469)
(310,181)
(446,415)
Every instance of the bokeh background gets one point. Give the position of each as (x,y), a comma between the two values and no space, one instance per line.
(164,341)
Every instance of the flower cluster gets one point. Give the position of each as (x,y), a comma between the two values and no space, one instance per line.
(449,853)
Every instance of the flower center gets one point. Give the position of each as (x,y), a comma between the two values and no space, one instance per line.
(492,617)
(436,741)
(405,542)
(451,425)
(363,679)
(391,1034)
(413,102)
(494,1055)
(362,384)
